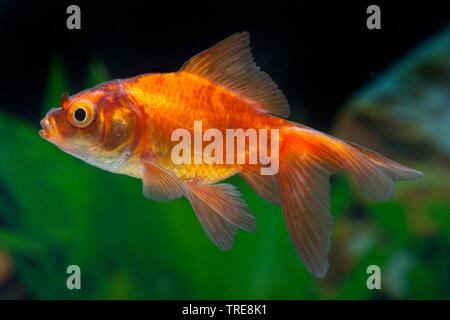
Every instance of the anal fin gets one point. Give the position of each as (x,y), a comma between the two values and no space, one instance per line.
(266,186)
(220,211)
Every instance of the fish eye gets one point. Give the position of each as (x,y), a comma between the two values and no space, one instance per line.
(81,113)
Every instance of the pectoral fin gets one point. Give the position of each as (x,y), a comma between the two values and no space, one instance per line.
(159,183)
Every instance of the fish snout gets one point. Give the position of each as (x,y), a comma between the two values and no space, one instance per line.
(47,124)
(49,112)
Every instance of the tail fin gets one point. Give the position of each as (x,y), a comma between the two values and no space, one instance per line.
(393,169)
(307,160)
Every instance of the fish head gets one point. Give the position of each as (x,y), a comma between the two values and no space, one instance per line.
(99,126)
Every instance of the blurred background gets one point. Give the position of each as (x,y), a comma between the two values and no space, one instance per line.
(386,89)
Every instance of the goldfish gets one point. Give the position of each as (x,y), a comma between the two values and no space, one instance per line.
(128,126)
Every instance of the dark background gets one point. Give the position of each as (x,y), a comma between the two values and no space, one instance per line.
(319,52)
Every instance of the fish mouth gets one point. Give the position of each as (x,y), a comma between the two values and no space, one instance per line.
(48,124)
(46,130)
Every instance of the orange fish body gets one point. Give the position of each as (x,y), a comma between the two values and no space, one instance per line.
(175,100)
(135,126)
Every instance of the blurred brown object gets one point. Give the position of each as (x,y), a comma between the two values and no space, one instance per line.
(405,114)
(6,267)
(10,287)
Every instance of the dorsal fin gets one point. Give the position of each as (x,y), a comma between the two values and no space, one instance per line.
(230,63)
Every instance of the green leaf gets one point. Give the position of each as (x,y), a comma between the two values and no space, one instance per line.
(97,73)
(57,83)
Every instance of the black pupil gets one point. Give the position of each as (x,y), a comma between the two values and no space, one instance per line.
(80,114)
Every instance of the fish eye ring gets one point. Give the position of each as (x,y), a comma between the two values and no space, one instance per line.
(81,113)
